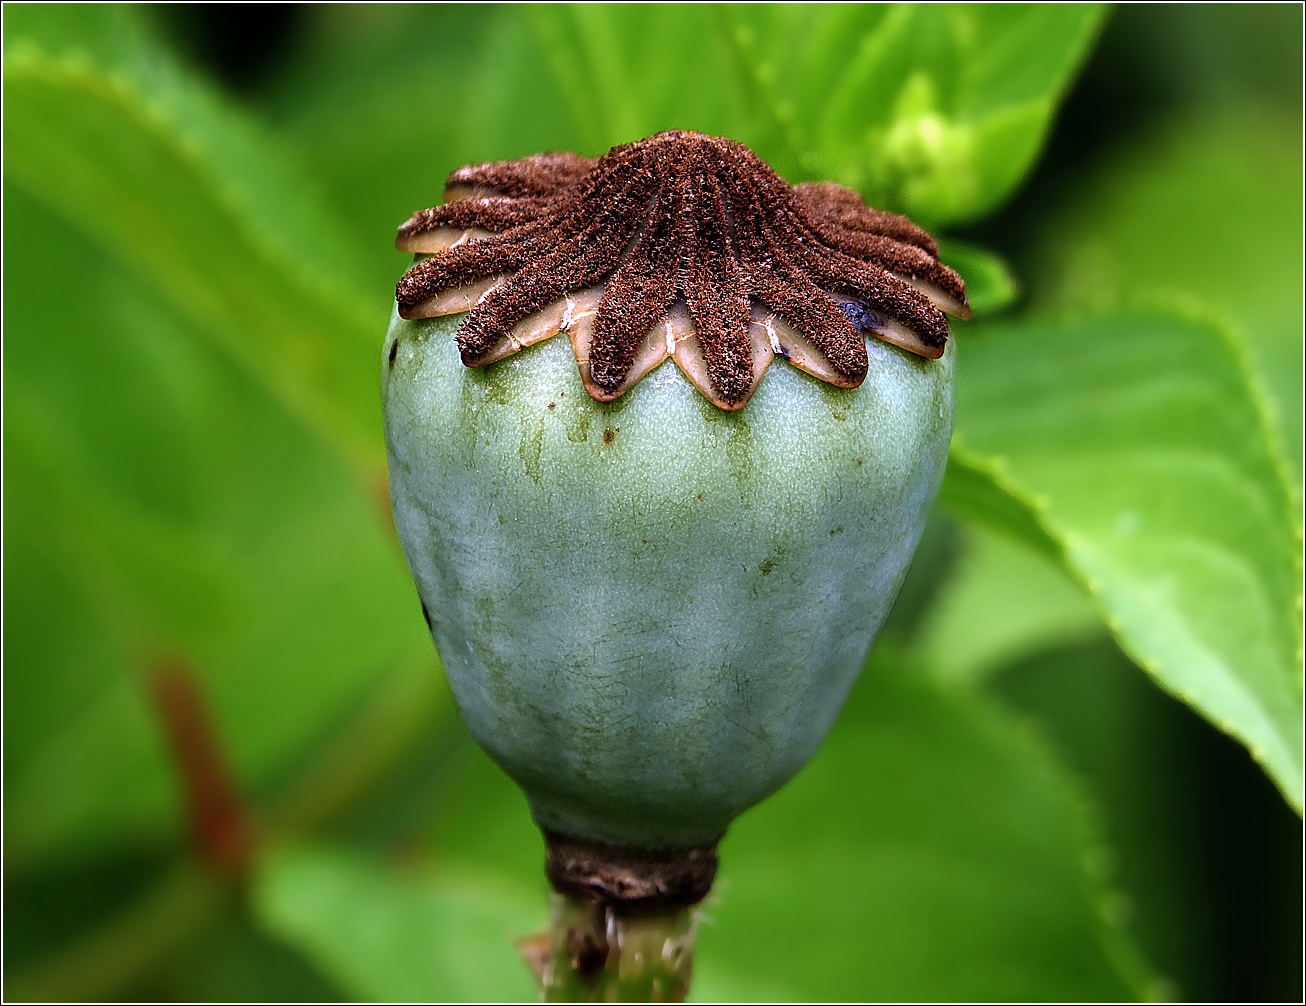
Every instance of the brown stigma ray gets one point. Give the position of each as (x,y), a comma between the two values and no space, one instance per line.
(680,245)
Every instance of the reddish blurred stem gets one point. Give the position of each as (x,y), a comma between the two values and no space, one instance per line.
(220,824)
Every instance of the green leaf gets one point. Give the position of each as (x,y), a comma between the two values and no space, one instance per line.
(976,489)
(155,171)
(384,102)
(427,934)
(1183,808)
(161,505)
(935,111)
(632,71)
(928,852)
(1004,602)
(166,585)
(1138,444)
(182,318)
(990,286)
(876,874)
(1207,212)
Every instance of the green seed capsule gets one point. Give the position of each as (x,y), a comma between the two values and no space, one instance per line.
(651,610)
(652,586)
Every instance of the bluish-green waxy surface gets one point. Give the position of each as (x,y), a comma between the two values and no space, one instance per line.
(650,611)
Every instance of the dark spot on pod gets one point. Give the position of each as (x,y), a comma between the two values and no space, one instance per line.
(552,406)
(767,566)
(864,317)
(427,615)
(588,956)
(394,351)
(837,530)
(609,435)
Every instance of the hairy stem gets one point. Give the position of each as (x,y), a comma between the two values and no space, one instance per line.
(591,953)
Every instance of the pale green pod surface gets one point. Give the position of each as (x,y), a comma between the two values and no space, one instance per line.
(651,610)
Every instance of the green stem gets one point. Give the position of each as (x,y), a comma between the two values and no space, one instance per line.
(594,954)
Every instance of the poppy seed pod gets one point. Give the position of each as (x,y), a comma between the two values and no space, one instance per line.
(652,586)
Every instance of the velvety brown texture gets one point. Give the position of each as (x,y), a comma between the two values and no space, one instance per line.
(677,217)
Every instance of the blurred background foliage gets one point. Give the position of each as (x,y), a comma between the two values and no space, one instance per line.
(232,770)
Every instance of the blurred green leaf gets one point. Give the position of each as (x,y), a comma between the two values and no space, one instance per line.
(165,585)
(1139,445)
(873,875)
(936,111)
(183,508)
(161,503)
(443,934)
(162,920)
(384,101)
(155,171)
(232,960)
(1004,602)
(1186,813)
(629,71)
(1208,212)
(990,286)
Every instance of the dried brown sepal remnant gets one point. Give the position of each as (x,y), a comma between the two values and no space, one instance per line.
(629,881)
(680,245)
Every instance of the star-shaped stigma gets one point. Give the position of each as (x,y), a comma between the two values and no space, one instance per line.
(679,245)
